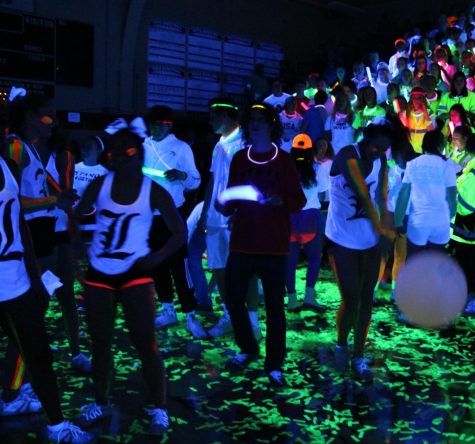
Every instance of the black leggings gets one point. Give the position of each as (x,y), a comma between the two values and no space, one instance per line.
(22,320)
(240,270)
(173,271)
(356,272)
(139,311)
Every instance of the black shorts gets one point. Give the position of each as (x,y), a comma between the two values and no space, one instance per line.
(115,282)
(42,235)
(62,237)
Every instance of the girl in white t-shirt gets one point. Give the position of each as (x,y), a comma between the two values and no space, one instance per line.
(85,172)
(338,126)
(429,188)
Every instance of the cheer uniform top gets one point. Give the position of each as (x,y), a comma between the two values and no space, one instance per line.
(122,232)
(60,215)
(15,280)
(347,222)
(33,183)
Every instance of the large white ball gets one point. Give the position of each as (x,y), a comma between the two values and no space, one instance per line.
(431,290)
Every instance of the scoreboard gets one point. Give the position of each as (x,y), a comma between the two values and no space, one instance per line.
(189,66)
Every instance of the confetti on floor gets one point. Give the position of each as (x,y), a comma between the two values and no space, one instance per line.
(423,391)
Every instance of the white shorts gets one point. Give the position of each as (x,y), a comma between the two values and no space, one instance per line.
(217,246)
(439,235)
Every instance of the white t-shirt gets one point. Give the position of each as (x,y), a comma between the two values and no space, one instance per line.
(291,124)
(430,176)
(84,175)
(277,102)
(222,155)
(341,129)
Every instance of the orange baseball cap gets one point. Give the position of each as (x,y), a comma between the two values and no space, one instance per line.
(302,142)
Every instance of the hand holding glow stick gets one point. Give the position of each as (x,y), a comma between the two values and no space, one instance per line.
(241,192)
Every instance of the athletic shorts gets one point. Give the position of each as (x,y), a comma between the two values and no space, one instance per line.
(439,235)
(217,246)
(42,235)
(62,237)
(116,282)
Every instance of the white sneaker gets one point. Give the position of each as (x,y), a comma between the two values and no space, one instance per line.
(159,423)
(470,308)
(81,363)
(23,404)
(223,327)
(93,412)
(194,326)
(68,432)
(167,318)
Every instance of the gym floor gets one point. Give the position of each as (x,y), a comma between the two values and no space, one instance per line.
(423,390)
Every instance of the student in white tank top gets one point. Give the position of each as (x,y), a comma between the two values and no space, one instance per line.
(356,232)
(120,263)
(22,305)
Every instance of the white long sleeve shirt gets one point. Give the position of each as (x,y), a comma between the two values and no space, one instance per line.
(172,153)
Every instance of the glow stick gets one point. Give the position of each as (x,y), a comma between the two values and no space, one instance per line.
(396,106)
(370,77)
(153,172)
(241,192)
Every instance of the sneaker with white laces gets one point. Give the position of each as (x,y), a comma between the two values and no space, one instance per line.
(223,327)
(28,389)
(194,326)
(470,308)
(276,378)
(167,317)
(361,369)
(67,432)
(159,422)
(92,412)
(23,404)
(81,363)
(241,360)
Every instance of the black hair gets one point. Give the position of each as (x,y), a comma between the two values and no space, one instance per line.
(304,162)
(320,97)
(159,112)
(19,108)
(272,119)
(230,108)
(125,139)
(432,142)
(453,93)
(462,112)
(470,145)
(464,131)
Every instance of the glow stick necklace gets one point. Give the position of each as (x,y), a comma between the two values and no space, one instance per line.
(265,161)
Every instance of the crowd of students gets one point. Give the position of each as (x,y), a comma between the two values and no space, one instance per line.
(374,168)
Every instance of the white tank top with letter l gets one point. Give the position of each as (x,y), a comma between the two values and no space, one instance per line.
(34,181)
(14,278)
(122,231)
(347,222)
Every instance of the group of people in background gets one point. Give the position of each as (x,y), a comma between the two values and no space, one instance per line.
(372,168)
